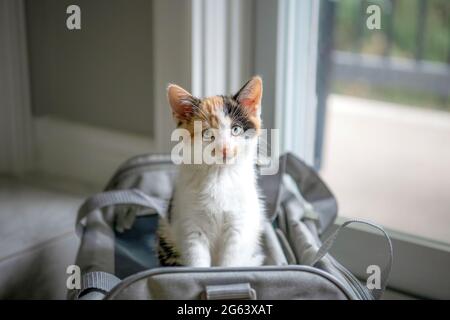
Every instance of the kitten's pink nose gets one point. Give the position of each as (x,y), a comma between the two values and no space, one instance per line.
(225,152)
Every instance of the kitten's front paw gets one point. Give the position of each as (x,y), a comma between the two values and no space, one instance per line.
(197,260)
(198,264)
(252,261)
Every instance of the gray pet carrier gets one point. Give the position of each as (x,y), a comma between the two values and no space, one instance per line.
(118,254)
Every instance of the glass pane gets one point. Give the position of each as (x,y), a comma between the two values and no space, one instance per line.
(386,148)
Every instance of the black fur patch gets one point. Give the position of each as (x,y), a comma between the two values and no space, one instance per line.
(238,113)
(167,255)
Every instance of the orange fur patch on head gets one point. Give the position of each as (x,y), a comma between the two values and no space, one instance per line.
(211,104)
(213,121)
(206,112)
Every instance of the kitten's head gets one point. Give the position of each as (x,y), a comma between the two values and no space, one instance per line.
(227,126)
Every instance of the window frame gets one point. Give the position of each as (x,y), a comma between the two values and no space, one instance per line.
(420,267)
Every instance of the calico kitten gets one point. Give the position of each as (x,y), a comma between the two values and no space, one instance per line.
(216,215)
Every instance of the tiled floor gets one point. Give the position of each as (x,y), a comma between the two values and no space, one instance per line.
(37,236)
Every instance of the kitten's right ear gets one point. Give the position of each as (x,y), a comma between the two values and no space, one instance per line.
(181,102)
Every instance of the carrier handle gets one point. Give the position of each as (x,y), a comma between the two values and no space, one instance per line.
(119,197)
(313,190)
(235,291)
(385,272)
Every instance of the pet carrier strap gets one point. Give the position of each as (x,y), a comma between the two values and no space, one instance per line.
(97,281)
(329,242)
(119,197)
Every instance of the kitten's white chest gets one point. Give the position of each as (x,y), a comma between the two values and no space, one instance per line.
(228,193)
(218,212)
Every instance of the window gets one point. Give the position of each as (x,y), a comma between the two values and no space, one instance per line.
(386,148)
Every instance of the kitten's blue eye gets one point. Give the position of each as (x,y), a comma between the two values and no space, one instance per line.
(236,130)
(208,135)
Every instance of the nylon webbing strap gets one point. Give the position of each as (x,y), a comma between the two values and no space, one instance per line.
(119,197)
(329,242)
(312,189)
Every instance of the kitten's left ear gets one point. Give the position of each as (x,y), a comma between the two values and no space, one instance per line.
(250,94)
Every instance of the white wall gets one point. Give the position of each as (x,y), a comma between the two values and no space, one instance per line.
(101,75)
(15,114)
(92,153)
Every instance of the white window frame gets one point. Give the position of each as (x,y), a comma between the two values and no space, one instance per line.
(295,95)
(420,268)
(222,32)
